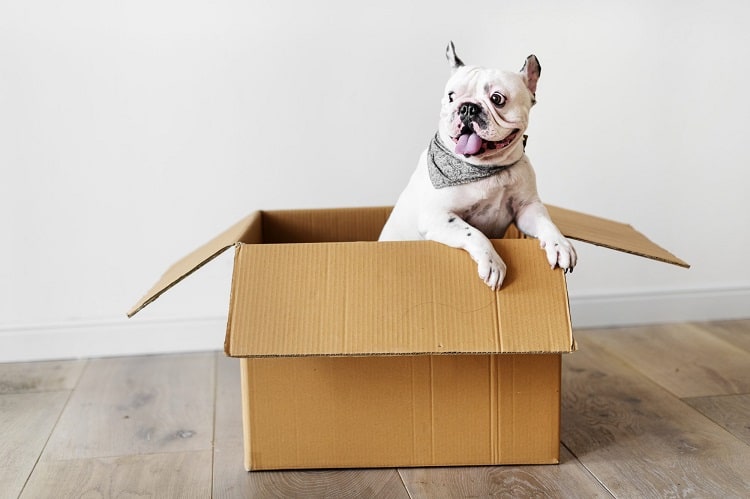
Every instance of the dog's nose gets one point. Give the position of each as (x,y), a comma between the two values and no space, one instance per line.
(468,110)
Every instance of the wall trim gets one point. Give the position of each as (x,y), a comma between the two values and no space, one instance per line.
(74,340)
(662,306)
(110,338)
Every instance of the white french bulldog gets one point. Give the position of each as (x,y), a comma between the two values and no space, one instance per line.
(474,179)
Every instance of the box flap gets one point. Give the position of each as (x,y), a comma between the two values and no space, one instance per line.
(247,230)
(324,225)
(609,234)
(412,297)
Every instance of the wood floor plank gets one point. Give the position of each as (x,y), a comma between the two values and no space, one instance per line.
(181,474)
(735,332)
(138,405)
(638,439)
(732,412)
(683,358)
(26,421)
(228,401)
(568,479)
(25,377)
(232,481)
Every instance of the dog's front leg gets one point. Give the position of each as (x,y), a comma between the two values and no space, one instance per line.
(533,219)
(450,229)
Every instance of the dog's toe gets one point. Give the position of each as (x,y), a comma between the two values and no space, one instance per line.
(563,259)
(492,272)
(559,253)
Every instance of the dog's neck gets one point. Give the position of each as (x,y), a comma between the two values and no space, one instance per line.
(448,170)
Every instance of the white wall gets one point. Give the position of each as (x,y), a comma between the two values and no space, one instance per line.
(130,132)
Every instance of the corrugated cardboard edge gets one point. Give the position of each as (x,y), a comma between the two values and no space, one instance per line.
(247,230)
(610,234)
(573,343)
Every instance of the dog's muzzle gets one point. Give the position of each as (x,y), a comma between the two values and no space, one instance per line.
(468,111)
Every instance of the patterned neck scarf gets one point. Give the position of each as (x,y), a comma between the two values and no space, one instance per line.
(446,170)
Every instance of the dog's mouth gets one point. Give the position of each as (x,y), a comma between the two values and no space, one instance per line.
(469,143)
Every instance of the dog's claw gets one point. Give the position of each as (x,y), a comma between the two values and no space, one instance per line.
(560,253)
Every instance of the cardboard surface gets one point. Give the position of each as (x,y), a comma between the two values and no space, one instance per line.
(371,298)
(609,234)
(324,225)
(247,230)
(445,410)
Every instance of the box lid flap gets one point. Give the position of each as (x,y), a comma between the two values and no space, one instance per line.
(247,230)
(412,297)
(609,234)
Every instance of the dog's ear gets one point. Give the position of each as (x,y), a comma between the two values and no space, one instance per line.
(531,71)
(450,54)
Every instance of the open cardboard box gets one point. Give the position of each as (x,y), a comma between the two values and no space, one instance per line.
(357,353)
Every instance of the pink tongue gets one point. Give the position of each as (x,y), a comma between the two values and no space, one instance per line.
(468,144)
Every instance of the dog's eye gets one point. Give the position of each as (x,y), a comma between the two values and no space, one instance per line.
(450,96)
(498,99)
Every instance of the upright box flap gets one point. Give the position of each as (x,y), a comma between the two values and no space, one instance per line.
(390,298)
(609,234)
(324,225)
(248,230)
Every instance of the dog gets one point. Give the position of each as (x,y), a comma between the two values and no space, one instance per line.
(475,179)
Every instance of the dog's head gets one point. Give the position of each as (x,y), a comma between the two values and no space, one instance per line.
(485,111)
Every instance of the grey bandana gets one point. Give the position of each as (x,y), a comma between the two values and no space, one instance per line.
(446,170)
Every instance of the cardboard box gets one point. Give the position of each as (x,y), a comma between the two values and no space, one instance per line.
(357,353)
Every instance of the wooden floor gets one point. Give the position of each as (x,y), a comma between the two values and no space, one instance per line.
(660,411)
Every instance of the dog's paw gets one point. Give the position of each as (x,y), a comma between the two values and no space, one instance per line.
(560,253)
(492,270)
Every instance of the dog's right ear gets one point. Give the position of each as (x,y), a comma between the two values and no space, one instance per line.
(531,71)
(450,54)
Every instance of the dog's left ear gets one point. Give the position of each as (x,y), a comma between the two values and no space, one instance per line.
(453,60)
(531,71)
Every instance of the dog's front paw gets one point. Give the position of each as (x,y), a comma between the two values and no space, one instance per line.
(491,269)
(560,253)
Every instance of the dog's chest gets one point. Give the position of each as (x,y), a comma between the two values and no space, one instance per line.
(491,213)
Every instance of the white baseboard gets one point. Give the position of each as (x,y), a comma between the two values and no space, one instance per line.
(109,339)
(141,337)
(660,307)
